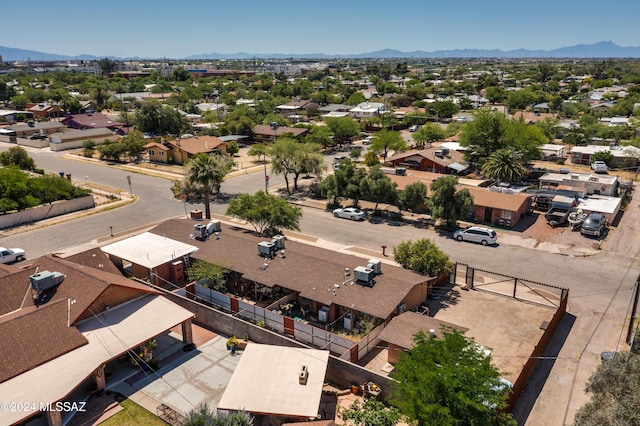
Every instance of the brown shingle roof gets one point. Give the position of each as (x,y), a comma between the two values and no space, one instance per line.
(92,121)
(401,329)
(196,145)
(34,336)
(264,130)
(486,198)
(82,284)
(430,154)
(309,270)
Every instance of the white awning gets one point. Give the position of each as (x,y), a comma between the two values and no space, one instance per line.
(266,381)
(149,250)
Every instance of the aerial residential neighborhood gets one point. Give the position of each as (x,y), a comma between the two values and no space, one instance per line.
(409,239)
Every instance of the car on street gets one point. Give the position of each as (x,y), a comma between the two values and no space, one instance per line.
(11,255)
(476,234)
(594,225)
(351,213)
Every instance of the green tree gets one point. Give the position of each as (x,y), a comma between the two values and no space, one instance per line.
(265,211)
(491,131)
(154,117)
(615,393)
(233,148)
(370,413)
(413,196)
(355,98)
(15,193)
(321,136)
(449,381)
(371,158)
(388,140)
(258,150)
(379,188)
(206,174)
(605,156)
(423,257)
(208,274)
(288,156)
(17,156)
(427,134)
(343,128)
(520,99)
(504,165)
(446,203)
(446,109)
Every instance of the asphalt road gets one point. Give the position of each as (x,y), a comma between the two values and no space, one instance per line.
(600,285)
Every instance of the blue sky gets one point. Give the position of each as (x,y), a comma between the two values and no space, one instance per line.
(176,29)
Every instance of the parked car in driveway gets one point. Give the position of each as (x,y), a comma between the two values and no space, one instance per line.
(11,255)
(350,213)
(594,225)
(599,167)
(476,234)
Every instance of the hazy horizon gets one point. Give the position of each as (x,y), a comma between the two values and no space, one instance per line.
(130,29)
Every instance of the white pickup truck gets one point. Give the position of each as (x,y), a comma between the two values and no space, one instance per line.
(11,255)
(599,167)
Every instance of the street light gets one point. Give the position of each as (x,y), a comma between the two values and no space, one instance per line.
(274,126)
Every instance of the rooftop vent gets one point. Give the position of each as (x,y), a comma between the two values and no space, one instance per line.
(303,375)
(44,280)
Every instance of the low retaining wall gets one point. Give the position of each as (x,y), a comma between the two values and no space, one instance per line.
(46,211)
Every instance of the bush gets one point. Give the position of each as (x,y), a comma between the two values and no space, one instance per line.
(560,161)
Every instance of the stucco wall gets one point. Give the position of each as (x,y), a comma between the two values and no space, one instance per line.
(46,211)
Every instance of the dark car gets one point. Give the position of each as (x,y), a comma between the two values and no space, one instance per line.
(594,225)
(37,137)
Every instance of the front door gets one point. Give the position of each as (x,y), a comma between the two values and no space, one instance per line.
(488,214)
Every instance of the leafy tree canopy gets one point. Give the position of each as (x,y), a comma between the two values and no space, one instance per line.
(423,257)
(370,413)
(615,393)
(504,165)
(448,380)
(17,156)
(265,211)
(388,140)
(447,203)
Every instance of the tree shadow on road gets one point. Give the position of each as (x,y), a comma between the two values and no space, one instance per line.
(540,374)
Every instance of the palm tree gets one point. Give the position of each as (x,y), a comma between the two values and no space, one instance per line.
(504,165)
(206,173)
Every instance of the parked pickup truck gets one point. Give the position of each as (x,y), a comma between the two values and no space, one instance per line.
(11,255)
(599,167)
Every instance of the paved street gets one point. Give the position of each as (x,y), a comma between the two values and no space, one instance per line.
(600,285)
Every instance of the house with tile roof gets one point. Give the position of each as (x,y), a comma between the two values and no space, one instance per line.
(44,110)
(58,340)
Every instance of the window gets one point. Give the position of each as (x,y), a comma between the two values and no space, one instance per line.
(506,214)
(152,152)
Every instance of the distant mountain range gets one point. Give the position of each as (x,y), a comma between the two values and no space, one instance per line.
(603,49)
